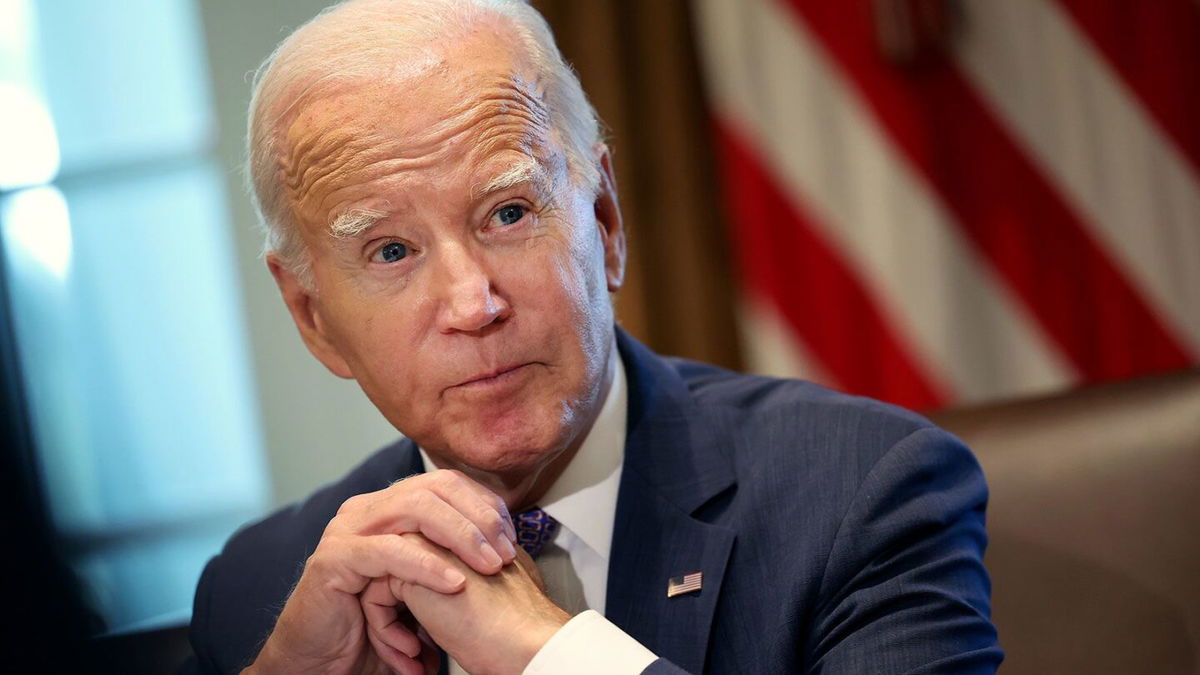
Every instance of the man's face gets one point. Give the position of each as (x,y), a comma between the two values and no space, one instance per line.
(475,312)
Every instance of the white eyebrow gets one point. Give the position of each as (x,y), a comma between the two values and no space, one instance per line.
(521,171)
(354,222)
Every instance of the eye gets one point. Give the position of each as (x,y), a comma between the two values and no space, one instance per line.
(510,214)
(390,253)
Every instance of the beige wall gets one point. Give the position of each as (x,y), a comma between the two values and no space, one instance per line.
(315,425)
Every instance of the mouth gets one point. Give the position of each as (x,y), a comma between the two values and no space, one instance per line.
(493,377)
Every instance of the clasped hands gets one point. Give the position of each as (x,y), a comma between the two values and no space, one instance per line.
(429,561)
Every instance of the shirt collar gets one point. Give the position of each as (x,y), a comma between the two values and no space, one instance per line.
(584,498)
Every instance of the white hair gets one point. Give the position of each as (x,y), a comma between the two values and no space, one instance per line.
(358,39)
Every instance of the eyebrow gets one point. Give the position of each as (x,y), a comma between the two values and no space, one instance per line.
(354,222)
(523,170)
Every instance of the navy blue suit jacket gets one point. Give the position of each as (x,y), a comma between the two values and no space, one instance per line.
(835,534)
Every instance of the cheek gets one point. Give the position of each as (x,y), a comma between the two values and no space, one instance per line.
(396,376)
(375,339)
(587,264)
(583,276)
(564,277)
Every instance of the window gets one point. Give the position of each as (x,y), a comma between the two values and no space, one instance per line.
(122,289)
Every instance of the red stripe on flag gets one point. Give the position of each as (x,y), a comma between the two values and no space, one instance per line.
(782,257)
(1002,202)
(1155,47)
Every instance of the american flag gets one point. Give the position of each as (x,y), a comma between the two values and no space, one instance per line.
(949,201)
(684,584)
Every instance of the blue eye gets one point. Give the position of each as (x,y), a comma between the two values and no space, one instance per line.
(510,214)
(390,253)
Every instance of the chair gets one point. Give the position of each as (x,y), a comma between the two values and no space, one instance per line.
(1094,522)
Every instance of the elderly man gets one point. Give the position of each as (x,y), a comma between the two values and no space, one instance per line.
(444,228)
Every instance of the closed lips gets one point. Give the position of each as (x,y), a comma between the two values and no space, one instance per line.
(490,375)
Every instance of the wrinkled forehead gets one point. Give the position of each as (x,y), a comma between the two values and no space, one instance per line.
(469,104)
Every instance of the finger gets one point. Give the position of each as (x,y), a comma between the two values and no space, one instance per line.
(352,562)
(445,525)
(482,507)
(379,605)
(447,507)
(494,500)
(395,659)
(479,505)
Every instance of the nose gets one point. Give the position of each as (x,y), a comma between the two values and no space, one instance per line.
(468,299)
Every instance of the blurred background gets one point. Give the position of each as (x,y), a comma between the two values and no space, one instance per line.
(934,202)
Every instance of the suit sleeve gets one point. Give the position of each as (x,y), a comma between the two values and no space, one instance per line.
(904,589)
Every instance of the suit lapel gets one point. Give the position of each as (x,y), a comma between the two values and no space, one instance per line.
(674,463)
(653,542)
(412,458)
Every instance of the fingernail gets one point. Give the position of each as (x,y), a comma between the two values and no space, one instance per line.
(508,550)
(490,555)
(454,577)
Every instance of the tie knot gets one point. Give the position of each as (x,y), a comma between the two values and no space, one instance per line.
(535,528)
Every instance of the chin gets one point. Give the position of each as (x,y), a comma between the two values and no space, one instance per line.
(507,451)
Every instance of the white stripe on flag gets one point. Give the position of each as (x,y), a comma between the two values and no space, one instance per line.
(771,80)
(1089,132)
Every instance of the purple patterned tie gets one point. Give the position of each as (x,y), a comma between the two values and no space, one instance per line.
(535,528)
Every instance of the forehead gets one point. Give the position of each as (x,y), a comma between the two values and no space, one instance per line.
(463,108)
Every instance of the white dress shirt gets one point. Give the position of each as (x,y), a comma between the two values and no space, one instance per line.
(574,564)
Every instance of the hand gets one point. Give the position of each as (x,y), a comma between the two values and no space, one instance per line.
(495,624)
(321,627)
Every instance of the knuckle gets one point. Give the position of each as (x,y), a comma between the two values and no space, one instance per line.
(429,564)
(493,524)
(421,503)
(451,477)
(335,525)
(352,504)
(470,532)
(319,561)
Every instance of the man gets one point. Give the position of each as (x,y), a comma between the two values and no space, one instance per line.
(444,228)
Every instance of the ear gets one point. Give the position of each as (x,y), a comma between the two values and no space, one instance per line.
(305,310)
(608,218)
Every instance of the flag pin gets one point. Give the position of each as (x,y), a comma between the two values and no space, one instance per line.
(688,583)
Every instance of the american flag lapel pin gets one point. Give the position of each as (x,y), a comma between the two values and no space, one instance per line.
(688,583)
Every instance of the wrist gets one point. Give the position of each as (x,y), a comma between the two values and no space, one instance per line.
(272,660)
(536,635)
